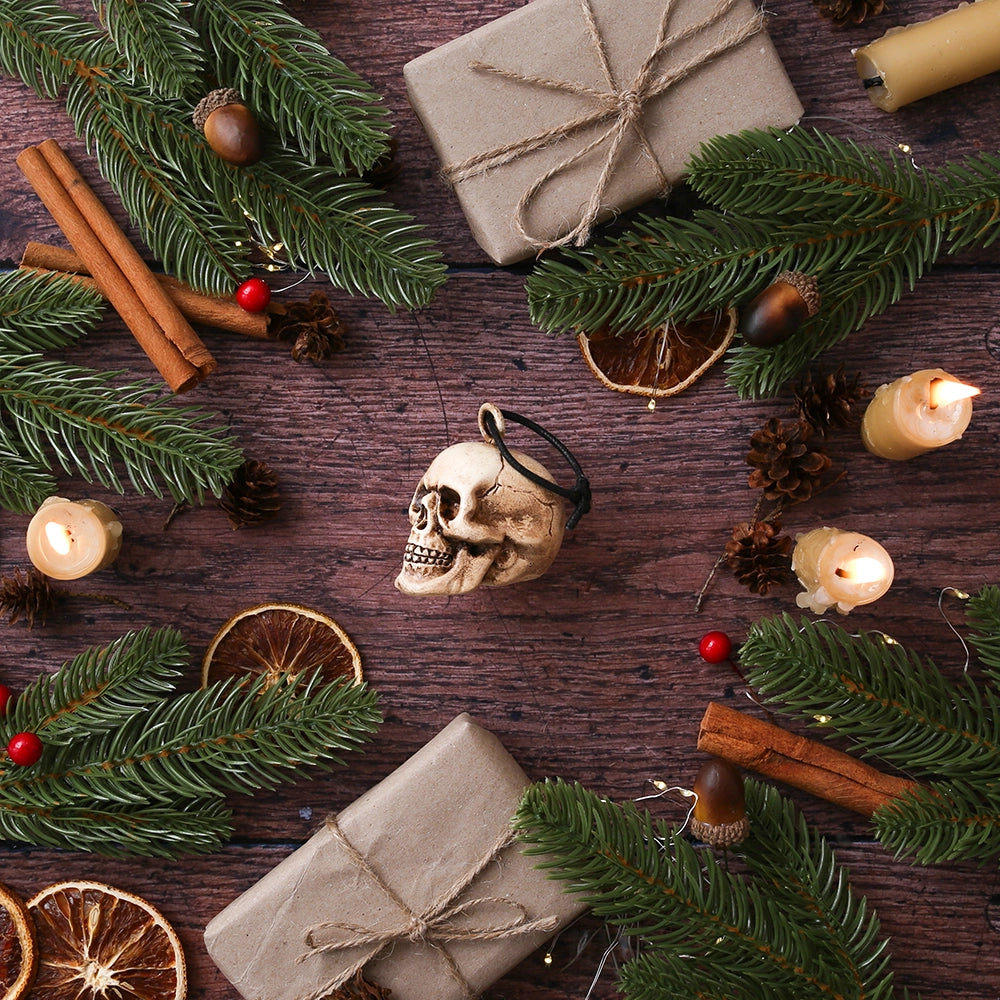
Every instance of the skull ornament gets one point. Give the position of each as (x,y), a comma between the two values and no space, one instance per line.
(475,519)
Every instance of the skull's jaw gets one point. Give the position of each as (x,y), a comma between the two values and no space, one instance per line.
(429,570)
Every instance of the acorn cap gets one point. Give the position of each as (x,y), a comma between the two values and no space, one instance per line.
(806,285)
(212,102)
(721,834)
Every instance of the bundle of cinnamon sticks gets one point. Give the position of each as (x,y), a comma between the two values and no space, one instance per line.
(156,309)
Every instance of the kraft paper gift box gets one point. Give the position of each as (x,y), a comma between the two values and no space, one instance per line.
(565,112)
(427,847)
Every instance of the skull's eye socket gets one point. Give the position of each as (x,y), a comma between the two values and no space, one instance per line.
(450,503)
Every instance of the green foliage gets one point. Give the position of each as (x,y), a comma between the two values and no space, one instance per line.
(131,768)
(868,226)
(280,66)
(789,926)
(131,91)
(898,707)
(59,415)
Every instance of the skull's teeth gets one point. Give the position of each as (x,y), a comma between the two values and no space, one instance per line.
(420,555)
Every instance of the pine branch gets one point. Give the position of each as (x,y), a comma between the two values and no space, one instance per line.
(898,707)
(790,928)
(867,226)
(40,312)
(157,40)
(894,703)
(32,33)
(130,768)
(99,690)
(283,69)
(84,422)
(983,611)
(191,207)
(152,831)
(24,482)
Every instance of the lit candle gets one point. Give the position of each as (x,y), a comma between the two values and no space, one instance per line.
(916,413)
(68,539)
(908,63)
(839,568)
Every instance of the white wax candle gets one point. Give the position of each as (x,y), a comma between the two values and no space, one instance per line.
(916,413)
(840,568)
(908,63)
(68,539)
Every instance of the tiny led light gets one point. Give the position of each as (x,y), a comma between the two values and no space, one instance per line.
(943,391)
(59,537)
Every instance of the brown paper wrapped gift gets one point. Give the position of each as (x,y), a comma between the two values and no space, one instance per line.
(563,112)
(417,882)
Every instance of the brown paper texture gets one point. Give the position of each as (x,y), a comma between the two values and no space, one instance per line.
(466,112)
(423,827)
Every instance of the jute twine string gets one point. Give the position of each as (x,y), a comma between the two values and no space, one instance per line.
(433,926)
(622,106)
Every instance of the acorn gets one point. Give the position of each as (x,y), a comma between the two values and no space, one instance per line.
(230,129)
(774,315)
(720,810)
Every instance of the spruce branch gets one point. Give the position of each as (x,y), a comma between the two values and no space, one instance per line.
(41,312)
(867,226)
(201,217)
(131,767)
(282,68)
(897,706)
(788,928)
(157,40)
(89,425)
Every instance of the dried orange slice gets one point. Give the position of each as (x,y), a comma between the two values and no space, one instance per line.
(281,641)
(96,942)
(18,947)
(661,361)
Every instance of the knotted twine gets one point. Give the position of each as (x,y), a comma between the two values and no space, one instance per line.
(433,926)
(622,106)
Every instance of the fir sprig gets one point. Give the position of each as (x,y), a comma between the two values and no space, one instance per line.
(789,928)
(130,767)
(203,218)
(55,414)
(156,40)
(897,706)
(867,226)
(282,67)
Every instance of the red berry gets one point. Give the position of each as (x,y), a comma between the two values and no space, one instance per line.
(715,647)
(24,749)
(253,295)
(5,695)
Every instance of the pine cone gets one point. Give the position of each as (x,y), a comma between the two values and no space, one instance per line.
(845,12)
(785,465)
(251,495)
(759,555)
(828,401)
(314,328)
(29,596)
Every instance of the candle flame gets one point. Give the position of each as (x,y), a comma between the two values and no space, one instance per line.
(943,391)
(59,537)
(864,569)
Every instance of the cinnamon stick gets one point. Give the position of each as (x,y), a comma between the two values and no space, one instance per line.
(208,310)
(805,764)
(179,373)
(176,328)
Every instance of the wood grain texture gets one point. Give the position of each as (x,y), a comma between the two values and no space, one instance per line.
(590,673)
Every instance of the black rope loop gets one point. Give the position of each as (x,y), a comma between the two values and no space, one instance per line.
(578,494)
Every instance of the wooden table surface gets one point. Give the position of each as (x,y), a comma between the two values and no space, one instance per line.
(592,672)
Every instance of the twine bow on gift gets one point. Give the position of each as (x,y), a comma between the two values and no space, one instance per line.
(620,106)
(434,925)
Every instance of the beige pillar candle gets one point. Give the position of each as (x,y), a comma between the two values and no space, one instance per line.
(916,413)
(839,568)
(68,539)
(908,63)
